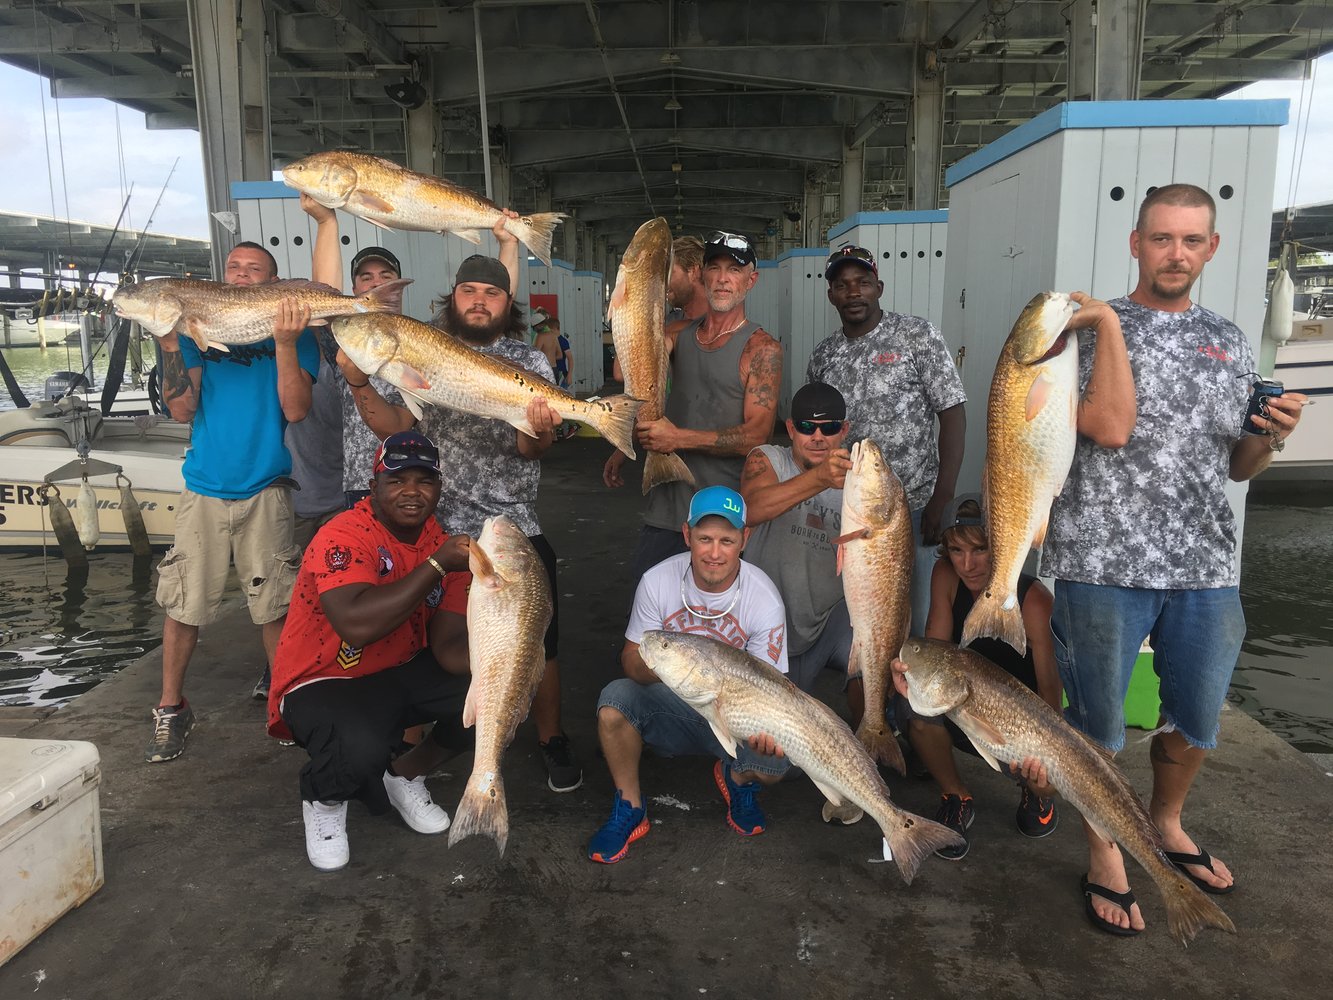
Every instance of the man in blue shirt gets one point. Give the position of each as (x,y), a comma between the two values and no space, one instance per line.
(237,504)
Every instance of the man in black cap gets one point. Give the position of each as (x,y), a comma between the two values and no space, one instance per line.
(490,468)
(726,374)
(793,499)
(895,371)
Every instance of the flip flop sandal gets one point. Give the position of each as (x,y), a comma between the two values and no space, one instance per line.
(1124,900)
(1204,860)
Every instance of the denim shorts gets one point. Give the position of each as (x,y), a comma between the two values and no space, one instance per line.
(672,729)
(1196,637)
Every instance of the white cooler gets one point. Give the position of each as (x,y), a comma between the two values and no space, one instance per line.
(50,835)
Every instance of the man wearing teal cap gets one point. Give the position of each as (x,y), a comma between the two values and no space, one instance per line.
(707,591)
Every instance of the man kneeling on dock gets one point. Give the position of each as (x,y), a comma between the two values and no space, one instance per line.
(375,641)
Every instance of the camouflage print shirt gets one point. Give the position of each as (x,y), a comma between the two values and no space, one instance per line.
(893,378)
(1153,514)
(483,474)
(359,441)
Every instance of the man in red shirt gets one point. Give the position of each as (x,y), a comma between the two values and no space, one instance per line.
(376,640)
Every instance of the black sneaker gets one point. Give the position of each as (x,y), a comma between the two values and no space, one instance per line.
(171,725)
(1036,817)
(260,692)
(956,813)
(563,773)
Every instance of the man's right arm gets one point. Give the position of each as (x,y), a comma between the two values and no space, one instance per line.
(180,385)
(381,416)
(326,261)
(766,498)
(1108,410)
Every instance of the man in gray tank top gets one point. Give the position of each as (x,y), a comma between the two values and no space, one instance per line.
(793,498)
(726,374)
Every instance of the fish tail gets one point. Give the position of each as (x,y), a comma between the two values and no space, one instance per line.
(616,422)
(386,298)
(659,468)
(881,744)
(989,616)
(482,809)
(1188,909)
(914,838)
(536,231)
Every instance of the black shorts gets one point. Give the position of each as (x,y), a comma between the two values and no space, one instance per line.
(547,555)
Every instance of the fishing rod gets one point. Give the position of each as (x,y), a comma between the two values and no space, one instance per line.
(132,257)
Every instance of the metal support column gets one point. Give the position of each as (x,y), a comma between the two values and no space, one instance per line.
(1105,49)
(571,247)
(812,213)
(853,174)
(230,64)
(927,131)
(423,138)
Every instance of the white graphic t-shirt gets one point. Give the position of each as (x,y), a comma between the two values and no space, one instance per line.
(750,614)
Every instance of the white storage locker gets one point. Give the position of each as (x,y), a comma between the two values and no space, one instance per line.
(761,305)
(50,835)
(806,313)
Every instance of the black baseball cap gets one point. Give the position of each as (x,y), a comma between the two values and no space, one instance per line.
(737,247)
(850,255)
(954,518)
(483,270)
(376,253)
(406,450)
(818,401)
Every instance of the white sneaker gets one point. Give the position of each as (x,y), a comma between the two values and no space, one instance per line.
(413,802)
(326,835)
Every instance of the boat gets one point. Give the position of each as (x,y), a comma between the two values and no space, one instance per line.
(49,448)
(1305,364)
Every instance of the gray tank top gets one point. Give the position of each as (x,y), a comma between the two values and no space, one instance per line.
(706,394)
(796,550)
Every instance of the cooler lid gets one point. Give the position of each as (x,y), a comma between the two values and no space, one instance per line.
(35,771)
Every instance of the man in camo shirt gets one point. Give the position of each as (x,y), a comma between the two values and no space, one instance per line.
(489,467)
(1142,541)
(895,371)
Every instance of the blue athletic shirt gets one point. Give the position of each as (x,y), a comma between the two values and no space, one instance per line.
(236,442)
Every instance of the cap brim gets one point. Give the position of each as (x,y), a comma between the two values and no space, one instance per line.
(868,265)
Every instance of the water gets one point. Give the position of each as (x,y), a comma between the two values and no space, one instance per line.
(31,365)
(60,635)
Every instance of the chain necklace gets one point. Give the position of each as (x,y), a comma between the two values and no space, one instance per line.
(717,336)
(700,614)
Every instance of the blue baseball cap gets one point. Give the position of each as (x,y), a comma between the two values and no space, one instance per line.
(406,450)
(718,501)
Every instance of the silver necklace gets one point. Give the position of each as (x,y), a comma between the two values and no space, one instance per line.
(699,614)
(716,337)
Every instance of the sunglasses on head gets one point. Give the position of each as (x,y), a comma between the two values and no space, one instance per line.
(826,427)
(851,253)
(729,240)
(393,460)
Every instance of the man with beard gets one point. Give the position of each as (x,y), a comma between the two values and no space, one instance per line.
(1142,540)
(491,468)
(726,374)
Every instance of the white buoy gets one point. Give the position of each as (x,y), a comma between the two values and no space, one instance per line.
(89,530)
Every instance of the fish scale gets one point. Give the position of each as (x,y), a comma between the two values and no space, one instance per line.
(742,696)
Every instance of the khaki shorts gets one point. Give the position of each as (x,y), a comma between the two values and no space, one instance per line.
(210,534)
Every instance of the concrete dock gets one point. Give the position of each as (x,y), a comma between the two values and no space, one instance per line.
(209,894)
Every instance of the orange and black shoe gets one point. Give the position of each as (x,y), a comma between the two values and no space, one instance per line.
(627,824)
(957,814)
(1036,817)
(743,812)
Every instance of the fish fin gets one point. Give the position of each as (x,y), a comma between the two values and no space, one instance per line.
(881,744)
(670,468)
(839,550)
(536,231)
(470,705)
(854,657)
(991,616)
(914,838)
(482,810)
(219,347)
(725,738)
(859,535)
(376,224)
(193,327)
(387,297)
(1188,910)
(987,728)
(615,420)
(1037,396)
(413,405)
(470,235)
(304,284)
(316,321)
(479,563)
(404,376)
(364,201)
(832,794)
(1039,539)
(619,297)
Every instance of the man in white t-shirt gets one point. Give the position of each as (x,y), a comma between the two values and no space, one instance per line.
(707,591)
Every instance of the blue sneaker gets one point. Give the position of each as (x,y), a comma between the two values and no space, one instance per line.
(743,812)
(626,825)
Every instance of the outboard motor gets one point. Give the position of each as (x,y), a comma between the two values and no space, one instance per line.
(61,384)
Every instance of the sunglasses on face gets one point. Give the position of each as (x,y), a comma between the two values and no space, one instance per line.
(826,427)
(730,240)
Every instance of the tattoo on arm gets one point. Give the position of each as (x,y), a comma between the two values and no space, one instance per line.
(765,377)
(755,466)
(730,439)
(1159,753)
(175,377)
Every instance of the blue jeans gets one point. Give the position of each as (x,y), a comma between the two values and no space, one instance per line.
(833,648)
(673,729)
(1195,635)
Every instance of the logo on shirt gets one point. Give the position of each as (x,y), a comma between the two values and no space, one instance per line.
(775,640)
(348,656)
(435,596)
(814,521)
(337,558)
(386,562)
(887,358)
(725,629)
(1214,352)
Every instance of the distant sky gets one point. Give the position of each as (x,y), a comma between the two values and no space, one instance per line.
(85,130)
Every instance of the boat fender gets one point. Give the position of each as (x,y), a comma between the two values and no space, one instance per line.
(134,526)
(89,530)
(63,525)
